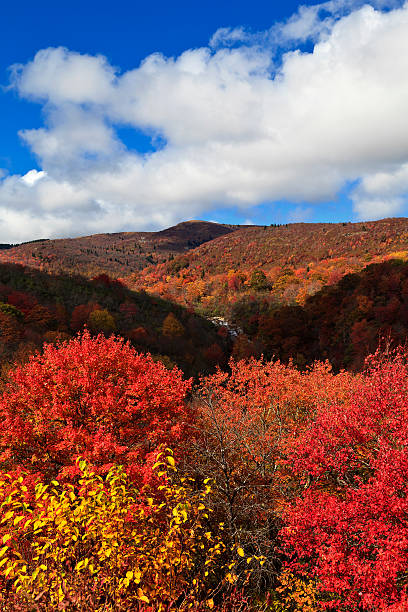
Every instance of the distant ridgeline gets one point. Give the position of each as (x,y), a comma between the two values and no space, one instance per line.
(4,246)
(118,254)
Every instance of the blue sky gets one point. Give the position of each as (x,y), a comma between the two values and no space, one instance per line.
(125,32)
(317,182)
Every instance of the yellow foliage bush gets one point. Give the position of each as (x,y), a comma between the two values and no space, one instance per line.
(296,594)
(102,545)
(101,321)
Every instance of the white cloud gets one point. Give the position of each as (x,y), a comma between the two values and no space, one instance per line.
(32,177)
(60,76)
(225,37)
(382,193)
(237,128)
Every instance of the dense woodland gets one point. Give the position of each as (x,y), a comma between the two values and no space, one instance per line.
(37,307)
(287,263)
(153,459)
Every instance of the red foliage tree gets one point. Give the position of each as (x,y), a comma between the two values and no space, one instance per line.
(139,334)
(39,316)
(128,312)
(22,301)
(106,281)
(80,315)
(214,354)
(90,397)
(350,528)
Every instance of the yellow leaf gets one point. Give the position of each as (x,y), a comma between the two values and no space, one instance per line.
(138,575)
(231,578)
(142,596)
(170,460)
(6,538)
(210,603)
(241,552)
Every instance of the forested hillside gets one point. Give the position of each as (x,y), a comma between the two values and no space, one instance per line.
(286,263)
(114,254)
(300,292)
(342,323)
(37,307)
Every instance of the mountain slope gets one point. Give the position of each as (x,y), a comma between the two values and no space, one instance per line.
(35,306)
(285,263)
(115,254)
(343,323)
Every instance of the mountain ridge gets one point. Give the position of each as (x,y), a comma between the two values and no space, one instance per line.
(112,253)
(296,260)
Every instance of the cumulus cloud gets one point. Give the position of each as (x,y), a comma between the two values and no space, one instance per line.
(241,124)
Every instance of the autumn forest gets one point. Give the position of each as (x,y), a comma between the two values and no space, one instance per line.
(209,417)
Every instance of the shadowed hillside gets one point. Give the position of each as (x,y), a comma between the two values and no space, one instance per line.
(37,307)
(343,323)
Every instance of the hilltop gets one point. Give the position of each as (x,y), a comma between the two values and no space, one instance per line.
(116,254)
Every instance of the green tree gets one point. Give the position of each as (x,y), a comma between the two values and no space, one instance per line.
(258,281)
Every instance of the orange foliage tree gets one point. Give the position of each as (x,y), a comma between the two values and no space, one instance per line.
(247,420)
